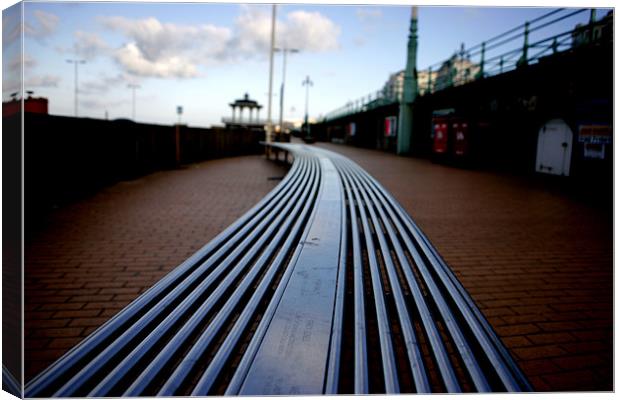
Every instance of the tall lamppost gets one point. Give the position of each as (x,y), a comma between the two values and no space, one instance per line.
(410,88)
(284,51)
(76,63)
(177,136)
(273,33)
(307,83)
(133,88)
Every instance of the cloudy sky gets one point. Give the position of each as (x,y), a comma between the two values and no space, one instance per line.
(203,56)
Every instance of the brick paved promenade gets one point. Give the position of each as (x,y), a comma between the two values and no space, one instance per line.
(95,256)
(538,264)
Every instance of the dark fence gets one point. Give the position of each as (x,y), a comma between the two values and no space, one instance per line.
(12,257)
(66,158)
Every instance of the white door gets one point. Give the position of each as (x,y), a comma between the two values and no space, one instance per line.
(555,144)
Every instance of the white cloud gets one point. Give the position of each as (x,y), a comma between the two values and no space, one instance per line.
(11,28)
(360,41)
(99,104)
(29,62)
(10,84)
(103,83)
(43,24)
(89,45)
(31,78)
(369,18)
(132,58)
(368,14)
(306,31)
(41,81)
(164,50)
(310,31)
(252,32)
(16,63)
(157,40)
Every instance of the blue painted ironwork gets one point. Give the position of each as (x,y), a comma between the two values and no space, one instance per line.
(500,54)
(410,88)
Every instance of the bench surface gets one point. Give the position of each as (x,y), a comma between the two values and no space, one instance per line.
(325,286)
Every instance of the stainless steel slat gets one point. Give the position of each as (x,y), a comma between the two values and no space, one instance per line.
(218,363)
(292,357)
(266,306)
(472,321)
(360,377)
(438,348)
(452,326)
(385,338)
(202,343)
(135,356)
(47,382)
(415,358)
(87,373)
(335,346)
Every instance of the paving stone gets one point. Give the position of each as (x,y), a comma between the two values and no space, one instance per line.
(506,235)
(100,253)
(538,262)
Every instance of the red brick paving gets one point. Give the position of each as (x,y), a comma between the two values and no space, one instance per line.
(93,257)
(538,263)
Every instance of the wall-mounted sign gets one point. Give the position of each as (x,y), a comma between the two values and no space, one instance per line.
(599,134)
(391,126)
(594,150)
(351,129)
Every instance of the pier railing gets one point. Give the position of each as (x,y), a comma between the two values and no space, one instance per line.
(559,30)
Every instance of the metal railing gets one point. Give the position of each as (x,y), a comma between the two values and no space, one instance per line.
(244,121)
(372,100)
(517,47)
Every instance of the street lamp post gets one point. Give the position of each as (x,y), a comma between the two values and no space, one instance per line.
(133,88)
(76,63)
(307,83)
(273,33)
(177,136)
(410,88)
(284,51)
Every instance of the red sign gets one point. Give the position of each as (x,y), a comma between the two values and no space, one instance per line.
(440,141)
(390,126)
(460,138)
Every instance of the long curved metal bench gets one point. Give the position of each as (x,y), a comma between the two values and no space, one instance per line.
(326,286)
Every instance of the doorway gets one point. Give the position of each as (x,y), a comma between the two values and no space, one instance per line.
(555,144)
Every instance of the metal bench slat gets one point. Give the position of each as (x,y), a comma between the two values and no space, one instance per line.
(235,383)
(186,365)
(387,352)
(263,310)
(333,366)
(75,384)
(439,351)
(447,316)
(474,322)
(360,378)
(416,363)
(49,380)
(141,350)
(515,376)
(217,364)
(292,357)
